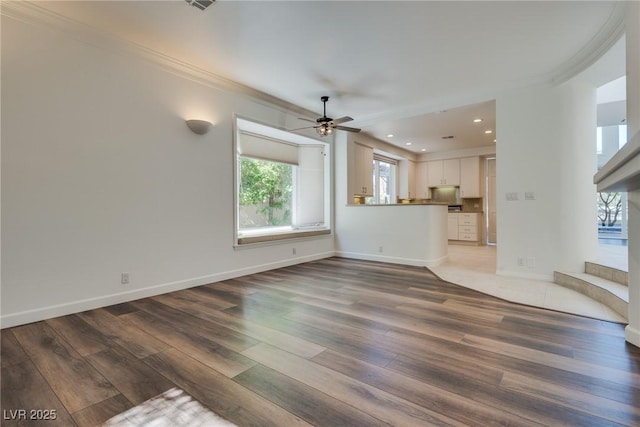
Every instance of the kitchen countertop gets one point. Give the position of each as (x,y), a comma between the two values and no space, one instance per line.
(403,204)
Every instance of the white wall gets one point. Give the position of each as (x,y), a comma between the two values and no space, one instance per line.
(100,175)
(418,235)
(546,145)
(632,24)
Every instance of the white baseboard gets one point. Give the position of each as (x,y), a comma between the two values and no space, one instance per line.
(632,335)
(43,313)
(393,260)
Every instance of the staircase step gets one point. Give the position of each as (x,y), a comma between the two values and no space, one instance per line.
(612,294)
(609,273)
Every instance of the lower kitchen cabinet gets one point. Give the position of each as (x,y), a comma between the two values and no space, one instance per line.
(463,226)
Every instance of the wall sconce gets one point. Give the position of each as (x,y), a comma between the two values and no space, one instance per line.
(199,126)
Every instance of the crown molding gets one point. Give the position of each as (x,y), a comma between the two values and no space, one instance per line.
(600,44)
(34,14)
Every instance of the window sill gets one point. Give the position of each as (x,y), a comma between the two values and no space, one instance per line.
(291,234)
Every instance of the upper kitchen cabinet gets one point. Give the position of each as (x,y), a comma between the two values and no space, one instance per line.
(470,177)
(422,186)
(407,180)
(443,172)
(361,164)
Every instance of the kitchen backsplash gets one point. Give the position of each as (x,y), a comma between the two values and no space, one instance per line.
(472,205)
(448,195)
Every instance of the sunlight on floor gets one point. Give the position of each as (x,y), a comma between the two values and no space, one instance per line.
(172,408)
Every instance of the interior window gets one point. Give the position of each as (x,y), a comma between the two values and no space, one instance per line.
(384,180)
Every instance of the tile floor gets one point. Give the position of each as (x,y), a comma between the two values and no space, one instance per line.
(474,267)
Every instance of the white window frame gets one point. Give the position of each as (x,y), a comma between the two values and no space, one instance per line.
(266,235)
(376,178)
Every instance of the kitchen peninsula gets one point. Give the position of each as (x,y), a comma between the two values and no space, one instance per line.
(410,234)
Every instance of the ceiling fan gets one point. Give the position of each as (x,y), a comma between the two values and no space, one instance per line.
(325,125)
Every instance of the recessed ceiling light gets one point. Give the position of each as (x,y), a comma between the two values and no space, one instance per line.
(494,140)
(488,131)
(407,143)
(477,120)
(424,149)
(390,135)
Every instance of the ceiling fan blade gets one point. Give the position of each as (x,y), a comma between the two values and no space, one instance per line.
(347,128)
(306,127)
(341,120)
(307,120)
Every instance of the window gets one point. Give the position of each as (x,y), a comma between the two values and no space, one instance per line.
(282,186)
(266,193)
(384,180)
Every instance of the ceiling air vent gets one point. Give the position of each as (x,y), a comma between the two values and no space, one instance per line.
(200,4)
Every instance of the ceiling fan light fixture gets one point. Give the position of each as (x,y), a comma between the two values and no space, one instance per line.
(324,130)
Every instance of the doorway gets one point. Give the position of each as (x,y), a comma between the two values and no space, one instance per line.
(490,208)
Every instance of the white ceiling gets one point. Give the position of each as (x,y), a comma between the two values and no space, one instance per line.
(393,66)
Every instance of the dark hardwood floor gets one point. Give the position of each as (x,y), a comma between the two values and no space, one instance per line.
(336,342)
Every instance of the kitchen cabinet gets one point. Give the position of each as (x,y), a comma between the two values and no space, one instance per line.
(407,179)
(422,186)
(462,226)
(412,180)
(470,177)
(468,227)
(362,163)
(443,172)
(452,225)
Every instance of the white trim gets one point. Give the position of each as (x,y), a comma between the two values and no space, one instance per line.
(32,13)
(600,44)
(622,172)
(393,260)
(632,335)
(29,316)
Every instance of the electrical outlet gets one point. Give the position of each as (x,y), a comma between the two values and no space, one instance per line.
(520,262)
(380,249)
(124,278)
(293,251)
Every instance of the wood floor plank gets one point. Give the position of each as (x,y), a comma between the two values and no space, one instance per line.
(76,383)
(406,322)
(462,409)
(203,298)
(120,309)
(522,405)
(560,362)
(133,378)
(224,396)
(24,389)
(11,352)
(98,414)
(351,341)
(254,330)
(329,342)
(416,346)
(306,402)
(210,353)
(380,404)
(84,338)
(126,335)
(176,310)
(609,409)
